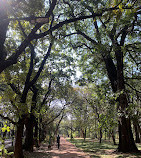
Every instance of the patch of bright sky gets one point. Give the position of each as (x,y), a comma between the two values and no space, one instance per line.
(57,103)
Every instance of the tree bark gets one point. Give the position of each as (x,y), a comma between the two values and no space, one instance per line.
(36,140)
(126,141)
(84,134)
(105,134)
(100,138)
(111,71)
(42,132)
(29,133)
(137,132)
(3,29)
(18,152)
(30,123)
(113,137)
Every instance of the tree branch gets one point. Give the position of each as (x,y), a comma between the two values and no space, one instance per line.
(133,88)
(37,36)
(31,19)
(87,37)
(7,118)
(14,88)
(14,57)
(31,83)
(56,116)
(47,93)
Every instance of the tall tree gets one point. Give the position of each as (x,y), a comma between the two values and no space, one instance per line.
(107,37)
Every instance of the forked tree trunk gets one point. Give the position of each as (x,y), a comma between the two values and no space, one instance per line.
(18,152)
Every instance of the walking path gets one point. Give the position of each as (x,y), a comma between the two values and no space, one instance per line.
(66,150)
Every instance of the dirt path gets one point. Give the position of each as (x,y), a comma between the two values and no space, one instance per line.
(67,150)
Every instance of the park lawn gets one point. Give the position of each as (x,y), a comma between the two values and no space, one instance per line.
(104,150)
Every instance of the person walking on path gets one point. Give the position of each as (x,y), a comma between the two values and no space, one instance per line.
(67,150)
(58,141)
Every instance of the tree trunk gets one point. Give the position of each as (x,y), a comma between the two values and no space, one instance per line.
(42,132)
(30,122)
(111,71)
(113,137)
(71,132)
(3,29)
(100,138)
(105,134)
(36,140)
(126,141)
(29,133)
(40,129)
(137,132)
(18,152)
(84,134)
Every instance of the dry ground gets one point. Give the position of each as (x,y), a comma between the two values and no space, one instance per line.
(68,150)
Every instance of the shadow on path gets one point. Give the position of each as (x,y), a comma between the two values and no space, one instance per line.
(67,150)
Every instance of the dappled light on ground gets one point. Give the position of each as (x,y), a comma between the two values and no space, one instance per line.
(67,150)
(106,149)
(91,149)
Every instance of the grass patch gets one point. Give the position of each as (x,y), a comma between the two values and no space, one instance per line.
(104,150)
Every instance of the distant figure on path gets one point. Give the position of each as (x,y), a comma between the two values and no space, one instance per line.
(58,141)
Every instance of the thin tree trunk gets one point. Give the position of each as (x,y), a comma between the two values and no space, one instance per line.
(137,132)
(40,121)
(85,134)
(100,138)
(105,134)
(113,137)
(57,127)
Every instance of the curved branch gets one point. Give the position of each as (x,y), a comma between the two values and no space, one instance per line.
(31,83)
(56,116)
(14,57)
(60,24)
